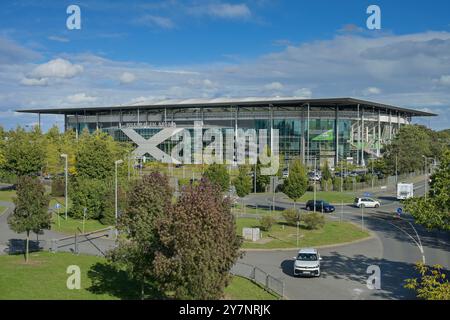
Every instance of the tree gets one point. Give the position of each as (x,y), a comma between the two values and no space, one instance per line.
(199,244)
(262,181)
(243,182)
(90,194)
(31,209)
(150,202)
(326,172)
(406,149)
(24,152)
(296,184)
(433,212)
(432,285)
(218,174)
(96,155)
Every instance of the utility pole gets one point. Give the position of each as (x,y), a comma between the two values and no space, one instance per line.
(66,175)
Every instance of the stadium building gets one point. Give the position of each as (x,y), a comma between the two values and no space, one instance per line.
(333,130)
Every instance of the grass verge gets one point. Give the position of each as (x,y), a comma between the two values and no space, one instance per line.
(243,289)
(283,236)
(7,195)
(99,281)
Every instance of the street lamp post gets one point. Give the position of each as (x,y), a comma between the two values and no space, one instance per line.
(315,177)
(66,178)
(116,163)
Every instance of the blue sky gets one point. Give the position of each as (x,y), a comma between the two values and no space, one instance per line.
(129,51)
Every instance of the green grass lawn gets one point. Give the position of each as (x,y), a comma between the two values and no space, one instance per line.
(239,208)
(71,225)
(284,236)
(7,195)
(45,277)
(2,210)
(244,289)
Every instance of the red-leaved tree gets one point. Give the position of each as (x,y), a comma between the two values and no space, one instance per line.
(198,244)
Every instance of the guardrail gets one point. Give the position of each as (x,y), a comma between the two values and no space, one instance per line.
(259,276)
(74,240)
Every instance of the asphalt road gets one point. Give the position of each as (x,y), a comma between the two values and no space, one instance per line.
(398,244)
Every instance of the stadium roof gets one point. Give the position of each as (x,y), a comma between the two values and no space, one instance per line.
(223,102)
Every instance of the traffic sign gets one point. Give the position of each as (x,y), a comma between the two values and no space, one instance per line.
(57,206)
(399,211)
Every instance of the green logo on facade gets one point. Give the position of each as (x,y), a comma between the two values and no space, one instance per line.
(325,136)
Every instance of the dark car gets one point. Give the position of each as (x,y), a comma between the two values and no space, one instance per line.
(321,206)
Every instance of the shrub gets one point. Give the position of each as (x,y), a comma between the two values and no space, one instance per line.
(182,182)
(337,184)
(348,183)
(267,222)
(313,221)
(326,185)
(291,216)
(58,187)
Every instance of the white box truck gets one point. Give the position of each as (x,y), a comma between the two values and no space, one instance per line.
(405,191)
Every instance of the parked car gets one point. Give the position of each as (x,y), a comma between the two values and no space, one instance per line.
(307,262)
(321,206)
(367,203)
(314,176)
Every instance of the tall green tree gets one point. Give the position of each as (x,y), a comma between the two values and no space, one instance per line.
(218,174)
(94,158)
(296,184)
(24,152)
(262,181)
(407,148)
(433,212)
(90,194)
(31,209)
(326,172)
(150,201)
(243,182)
(199,244)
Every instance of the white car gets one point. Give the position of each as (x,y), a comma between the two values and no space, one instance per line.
(307,263)
(367,203)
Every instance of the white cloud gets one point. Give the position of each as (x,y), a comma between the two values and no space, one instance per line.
(127,77)
(34,82)
(156,21)
(220,10)
(230,11)
(371,91)
(57,68)
(58,39)
(274,86)
(80,98)
(303,93)
(444,80)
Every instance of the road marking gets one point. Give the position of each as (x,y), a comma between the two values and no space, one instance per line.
(418,243)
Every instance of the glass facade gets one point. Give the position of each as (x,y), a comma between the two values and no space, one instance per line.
(350,133)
